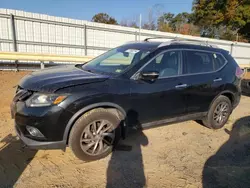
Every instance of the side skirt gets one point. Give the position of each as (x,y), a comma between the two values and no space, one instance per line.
(195,116)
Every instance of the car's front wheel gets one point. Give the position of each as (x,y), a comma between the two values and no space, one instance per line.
(94,134)
(218,113)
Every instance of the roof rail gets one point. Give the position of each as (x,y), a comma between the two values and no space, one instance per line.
(194,41)
(147,39)
(182,40)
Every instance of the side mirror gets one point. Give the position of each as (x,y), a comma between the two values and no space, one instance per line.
(125,54)
(149,76)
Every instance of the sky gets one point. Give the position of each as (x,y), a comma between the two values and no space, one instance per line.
(86,9)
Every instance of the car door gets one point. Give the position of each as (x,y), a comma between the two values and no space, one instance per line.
(161,98)
(202,80)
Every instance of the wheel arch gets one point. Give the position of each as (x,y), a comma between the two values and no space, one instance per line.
(229,94)
(120,112)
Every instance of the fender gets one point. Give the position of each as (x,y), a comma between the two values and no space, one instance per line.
(85,109)
(221,93)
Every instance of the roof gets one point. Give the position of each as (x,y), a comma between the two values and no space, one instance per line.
(152,45)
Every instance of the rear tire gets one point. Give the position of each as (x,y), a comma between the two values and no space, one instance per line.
(218,113)
(94,134)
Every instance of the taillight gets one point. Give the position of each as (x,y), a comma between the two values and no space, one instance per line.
(239,72)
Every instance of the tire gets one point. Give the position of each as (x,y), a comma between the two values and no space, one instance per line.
(211,120)
(86,128)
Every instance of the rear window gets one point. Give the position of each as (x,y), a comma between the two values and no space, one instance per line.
(202,62)
(198,62)
(219,61)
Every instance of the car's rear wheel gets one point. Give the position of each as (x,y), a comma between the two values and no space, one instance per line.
(94,134)
(218,113)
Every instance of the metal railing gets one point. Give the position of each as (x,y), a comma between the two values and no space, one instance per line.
(23,56)
(30,59)
(35,60)
(86,47)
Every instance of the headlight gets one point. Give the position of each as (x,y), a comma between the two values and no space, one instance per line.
(38,99)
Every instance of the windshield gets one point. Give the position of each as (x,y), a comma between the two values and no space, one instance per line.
(116,60)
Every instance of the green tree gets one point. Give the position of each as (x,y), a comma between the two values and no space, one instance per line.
(163,22)
(166,18)
(104,18)
(237,16)
(245,32)
(179,20)
(208,15)
(233,15)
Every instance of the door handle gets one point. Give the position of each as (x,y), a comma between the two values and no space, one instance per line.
(181,86)
(217,79)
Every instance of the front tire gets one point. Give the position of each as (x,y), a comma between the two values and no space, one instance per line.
(218,113)
(94,134)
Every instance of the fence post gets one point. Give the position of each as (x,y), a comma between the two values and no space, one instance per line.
(232,48)
(13,30)
(42,64)
(85,40)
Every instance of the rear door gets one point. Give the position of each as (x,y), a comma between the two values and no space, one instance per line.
(203,80)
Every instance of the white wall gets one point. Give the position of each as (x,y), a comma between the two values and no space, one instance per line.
(41,33)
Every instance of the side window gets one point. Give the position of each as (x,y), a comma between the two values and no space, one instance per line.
(167,64)
(198,62)
(219,61)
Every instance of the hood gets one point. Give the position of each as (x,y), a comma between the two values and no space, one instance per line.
(53,79)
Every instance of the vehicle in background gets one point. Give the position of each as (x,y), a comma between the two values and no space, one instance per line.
(245,83)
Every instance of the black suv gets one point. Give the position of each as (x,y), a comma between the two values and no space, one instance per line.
(90,106)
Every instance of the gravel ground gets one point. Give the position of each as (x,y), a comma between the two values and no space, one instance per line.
(178,155)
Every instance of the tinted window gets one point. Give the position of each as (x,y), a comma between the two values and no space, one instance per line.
(198,62)
(167,64)
(219,61)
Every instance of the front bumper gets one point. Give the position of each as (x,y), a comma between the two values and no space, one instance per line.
(50,121)
(33,144)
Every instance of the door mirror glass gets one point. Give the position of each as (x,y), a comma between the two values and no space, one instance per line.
(149,75)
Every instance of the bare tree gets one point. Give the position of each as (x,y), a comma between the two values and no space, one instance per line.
(152,16)
(133,22)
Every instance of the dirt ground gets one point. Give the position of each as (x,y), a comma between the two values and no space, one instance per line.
(178,155)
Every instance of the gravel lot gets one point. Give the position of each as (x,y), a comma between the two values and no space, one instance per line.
(178,155)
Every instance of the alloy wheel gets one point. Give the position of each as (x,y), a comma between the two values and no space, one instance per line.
(97,137)
(221,113)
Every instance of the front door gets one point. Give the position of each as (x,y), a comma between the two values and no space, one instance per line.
(163,97)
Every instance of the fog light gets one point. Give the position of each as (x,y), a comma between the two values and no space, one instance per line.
(34,132)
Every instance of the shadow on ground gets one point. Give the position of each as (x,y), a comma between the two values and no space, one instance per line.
(230,166)
(125,168)
(13,160)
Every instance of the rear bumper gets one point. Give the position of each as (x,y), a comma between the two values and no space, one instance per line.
(245,86)
(34,144)
(237,98)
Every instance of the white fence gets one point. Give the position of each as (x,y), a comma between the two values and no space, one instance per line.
(38,33)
